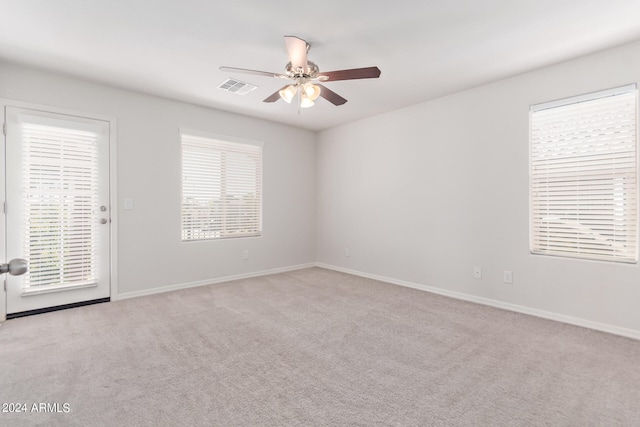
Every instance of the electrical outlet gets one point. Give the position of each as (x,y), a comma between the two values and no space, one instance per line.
(507,276)
(347,252)
(477,272)
(245,254)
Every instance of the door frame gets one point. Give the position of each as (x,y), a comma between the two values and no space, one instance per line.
(113,189)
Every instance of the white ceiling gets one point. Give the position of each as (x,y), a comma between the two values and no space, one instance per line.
(425,48)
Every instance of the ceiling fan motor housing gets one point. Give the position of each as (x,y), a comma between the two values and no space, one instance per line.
(299,73)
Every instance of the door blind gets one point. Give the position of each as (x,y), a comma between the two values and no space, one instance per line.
(221,188)
(584,192)
(59,203)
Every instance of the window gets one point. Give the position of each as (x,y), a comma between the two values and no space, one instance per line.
(60,196)
(221,187)
(583,176)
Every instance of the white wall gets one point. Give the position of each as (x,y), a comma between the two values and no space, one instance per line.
(150,252)
(423,194)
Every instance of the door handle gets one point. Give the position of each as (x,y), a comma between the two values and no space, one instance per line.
(16,267)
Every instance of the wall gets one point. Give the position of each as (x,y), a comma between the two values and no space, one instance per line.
(150,252)
(423,194)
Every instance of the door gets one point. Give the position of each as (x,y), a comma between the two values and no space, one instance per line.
(57,208)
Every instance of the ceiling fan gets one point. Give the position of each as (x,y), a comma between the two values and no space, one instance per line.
(306,75)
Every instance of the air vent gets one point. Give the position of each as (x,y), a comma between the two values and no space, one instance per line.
(236,86)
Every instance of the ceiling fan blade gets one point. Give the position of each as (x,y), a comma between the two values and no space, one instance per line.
(254,72)
(330,95)
(297,50)
(352,74)
(275,95)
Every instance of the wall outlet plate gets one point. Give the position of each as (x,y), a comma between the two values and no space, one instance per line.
(477,272)
(507,276)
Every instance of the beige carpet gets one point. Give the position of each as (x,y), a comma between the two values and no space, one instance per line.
(313,348)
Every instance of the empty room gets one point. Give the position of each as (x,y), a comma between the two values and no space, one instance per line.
(346,213)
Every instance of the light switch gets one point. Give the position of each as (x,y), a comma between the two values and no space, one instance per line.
(128,204)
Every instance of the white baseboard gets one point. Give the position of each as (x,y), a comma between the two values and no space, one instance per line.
(625,332)
(178,286)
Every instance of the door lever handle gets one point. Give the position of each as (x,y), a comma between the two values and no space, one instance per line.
(16,267)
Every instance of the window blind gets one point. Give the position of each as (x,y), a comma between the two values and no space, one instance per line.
(60,191)
(583,176)
(221,188)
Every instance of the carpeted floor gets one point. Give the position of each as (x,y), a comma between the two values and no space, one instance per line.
(312,348)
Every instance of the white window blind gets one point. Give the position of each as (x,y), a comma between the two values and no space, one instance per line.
(221,188)
(583,170)
(60,190)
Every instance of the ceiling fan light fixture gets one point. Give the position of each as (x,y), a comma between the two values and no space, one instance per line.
(305,101)
(312,91)
(288,93)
